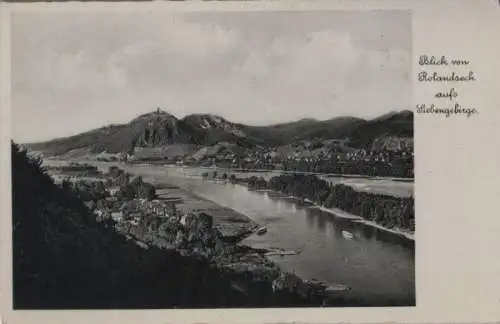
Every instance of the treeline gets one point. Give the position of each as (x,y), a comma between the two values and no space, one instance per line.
(398,168)
(388,211)
(137,188)
(64,259)
(78,169)
(97,190)
(85,190)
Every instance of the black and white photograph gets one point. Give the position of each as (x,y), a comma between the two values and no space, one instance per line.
(212,159)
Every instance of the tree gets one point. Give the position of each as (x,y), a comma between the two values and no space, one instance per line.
(148,191)
(126,192)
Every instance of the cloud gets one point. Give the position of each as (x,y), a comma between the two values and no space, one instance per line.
(90,69)
(177,36)
(325,73)
(66,74)
(198,40)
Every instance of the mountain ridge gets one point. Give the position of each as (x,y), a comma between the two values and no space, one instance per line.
(160,129)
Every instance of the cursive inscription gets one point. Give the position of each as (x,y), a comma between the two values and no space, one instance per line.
(436,70)
(452,77)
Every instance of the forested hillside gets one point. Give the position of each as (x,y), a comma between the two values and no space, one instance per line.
(64,259)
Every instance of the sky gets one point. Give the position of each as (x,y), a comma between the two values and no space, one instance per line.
(72,72)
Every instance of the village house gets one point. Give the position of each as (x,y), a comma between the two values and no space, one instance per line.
(136,210)
(117,216)
(112,199)
(113,191)
(135,218)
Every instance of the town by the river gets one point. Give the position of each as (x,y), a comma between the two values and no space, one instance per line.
(377,265)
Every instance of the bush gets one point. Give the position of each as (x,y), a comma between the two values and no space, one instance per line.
(137,189)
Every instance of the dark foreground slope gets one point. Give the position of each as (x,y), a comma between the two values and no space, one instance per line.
(64,259)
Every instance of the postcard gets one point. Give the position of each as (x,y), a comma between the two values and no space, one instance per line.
(250,162)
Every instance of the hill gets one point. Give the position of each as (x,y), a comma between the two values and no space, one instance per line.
(304,129)
(213,129)
(395,124)
(149,130)
(63,258)
(155,131)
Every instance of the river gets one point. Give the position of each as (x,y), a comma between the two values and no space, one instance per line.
(378,266)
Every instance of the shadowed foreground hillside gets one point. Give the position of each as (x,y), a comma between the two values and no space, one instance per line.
(65,259)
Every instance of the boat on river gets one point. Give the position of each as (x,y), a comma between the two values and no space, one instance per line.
(347,235)
(335,289)
(262,230)
(281,253)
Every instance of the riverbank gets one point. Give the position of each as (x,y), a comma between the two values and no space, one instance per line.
(251,265)
(334,211)
(222,211)
(231,224)
(256,170)
(343,214)
(235,227)
(391,214)
(359,219)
